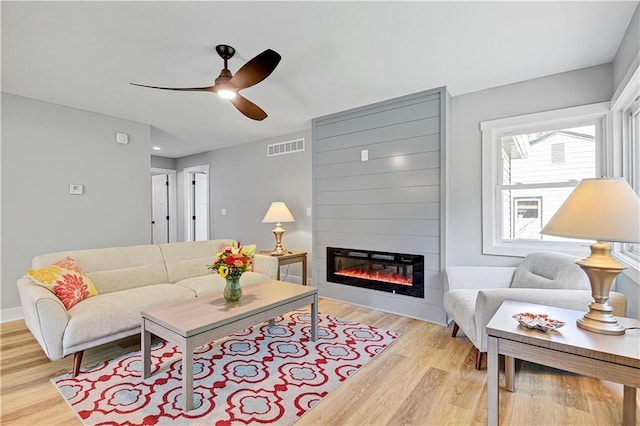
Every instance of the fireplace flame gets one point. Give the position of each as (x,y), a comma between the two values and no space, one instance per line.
(384,276)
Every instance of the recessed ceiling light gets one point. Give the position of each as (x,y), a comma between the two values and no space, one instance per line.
(156,148)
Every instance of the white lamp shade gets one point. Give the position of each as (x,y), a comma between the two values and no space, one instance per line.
(602,209)
(277,213)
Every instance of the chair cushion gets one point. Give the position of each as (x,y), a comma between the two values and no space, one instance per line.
(549,270)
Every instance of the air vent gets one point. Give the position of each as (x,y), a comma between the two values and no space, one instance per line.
(287,147)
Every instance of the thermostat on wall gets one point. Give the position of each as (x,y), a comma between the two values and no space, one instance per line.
(122,138)
(75,189)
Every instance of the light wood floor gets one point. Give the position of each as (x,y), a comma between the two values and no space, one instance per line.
(424,378)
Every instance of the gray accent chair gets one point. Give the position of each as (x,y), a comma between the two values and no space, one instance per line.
(473,294)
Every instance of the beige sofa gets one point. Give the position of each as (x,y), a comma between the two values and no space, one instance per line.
(128,280)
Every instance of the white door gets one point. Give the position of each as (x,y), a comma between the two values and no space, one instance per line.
(160,209)
(201,207)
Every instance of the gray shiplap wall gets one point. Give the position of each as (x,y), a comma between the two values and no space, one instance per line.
(392,202)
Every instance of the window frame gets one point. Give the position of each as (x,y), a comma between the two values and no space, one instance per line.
(624,155)
(492,132)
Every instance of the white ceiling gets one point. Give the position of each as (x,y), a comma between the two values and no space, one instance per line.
(335,56)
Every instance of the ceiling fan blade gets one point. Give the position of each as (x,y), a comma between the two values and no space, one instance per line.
(192,89)
(248,108)
(256,70)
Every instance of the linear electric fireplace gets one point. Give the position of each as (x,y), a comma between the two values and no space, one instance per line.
(397,273)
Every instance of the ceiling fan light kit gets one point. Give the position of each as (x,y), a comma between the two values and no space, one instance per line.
(228,86)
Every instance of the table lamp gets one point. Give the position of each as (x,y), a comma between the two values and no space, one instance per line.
(605,210)
(278,212)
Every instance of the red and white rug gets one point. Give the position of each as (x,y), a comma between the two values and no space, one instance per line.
(258,376)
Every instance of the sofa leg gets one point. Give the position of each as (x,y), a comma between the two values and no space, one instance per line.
(479,356)
(77,360)
(455,330)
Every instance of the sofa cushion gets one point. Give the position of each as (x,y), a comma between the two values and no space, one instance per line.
(549,270)
(190,259)
(66,280)
(111,313)
(115,268)
(208,285)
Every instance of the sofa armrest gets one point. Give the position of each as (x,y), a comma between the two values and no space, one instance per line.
(267,265)
(45,316)
(488,302)
(477,277)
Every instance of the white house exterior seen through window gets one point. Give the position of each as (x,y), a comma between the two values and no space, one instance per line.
(530,165)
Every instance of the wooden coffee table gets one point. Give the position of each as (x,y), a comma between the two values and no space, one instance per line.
(197,322)
(605,357)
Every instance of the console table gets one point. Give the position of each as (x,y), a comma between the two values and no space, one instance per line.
(291,256)
(605,357)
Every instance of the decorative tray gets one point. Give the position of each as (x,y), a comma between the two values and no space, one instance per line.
(540,322)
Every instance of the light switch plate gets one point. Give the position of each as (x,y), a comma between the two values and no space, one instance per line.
(223,212)
(75,189)
(364,155)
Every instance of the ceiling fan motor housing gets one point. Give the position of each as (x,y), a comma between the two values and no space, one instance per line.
(225,51)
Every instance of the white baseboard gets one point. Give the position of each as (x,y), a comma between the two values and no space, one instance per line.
(11,314)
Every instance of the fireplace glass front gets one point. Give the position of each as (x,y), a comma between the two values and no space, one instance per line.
(397,273)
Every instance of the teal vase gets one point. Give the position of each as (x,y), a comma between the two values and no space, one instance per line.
(232,290)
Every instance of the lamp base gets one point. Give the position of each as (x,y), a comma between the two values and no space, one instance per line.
(600,322)
(278,250)
(601,269)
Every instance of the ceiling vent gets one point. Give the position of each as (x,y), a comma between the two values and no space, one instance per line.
(287,147)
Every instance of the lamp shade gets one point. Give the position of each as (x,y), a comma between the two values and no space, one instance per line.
(601,209)
(278,212)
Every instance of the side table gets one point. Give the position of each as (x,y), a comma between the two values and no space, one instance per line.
(291,256)
(605,357)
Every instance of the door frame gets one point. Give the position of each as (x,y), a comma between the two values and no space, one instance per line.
(172,200)
(188,200)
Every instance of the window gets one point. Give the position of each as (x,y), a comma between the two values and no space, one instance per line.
(625,135)
(633,122)
(530,166)
(527,219)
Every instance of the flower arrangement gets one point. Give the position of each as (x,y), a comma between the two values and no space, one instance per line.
(232,260)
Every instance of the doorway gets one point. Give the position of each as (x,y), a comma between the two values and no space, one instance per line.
(163,206)
(197,203)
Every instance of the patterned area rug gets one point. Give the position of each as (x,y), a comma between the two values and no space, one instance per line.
(260,375)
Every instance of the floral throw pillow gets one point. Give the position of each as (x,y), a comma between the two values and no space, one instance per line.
(66,280)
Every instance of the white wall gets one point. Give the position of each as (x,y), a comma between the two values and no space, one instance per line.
(244,181)
(581,87)
(46,147)
(163,162)
(590,85)
(628,51)
(626,61)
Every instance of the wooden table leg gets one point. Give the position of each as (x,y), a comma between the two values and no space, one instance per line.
(492,381)
(629,406)
(187,376)
(145,345)
(509,373)
(304,270)
(314,318)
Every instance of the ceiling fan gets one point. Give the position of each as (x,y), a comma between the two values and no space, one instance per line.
(228,86)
